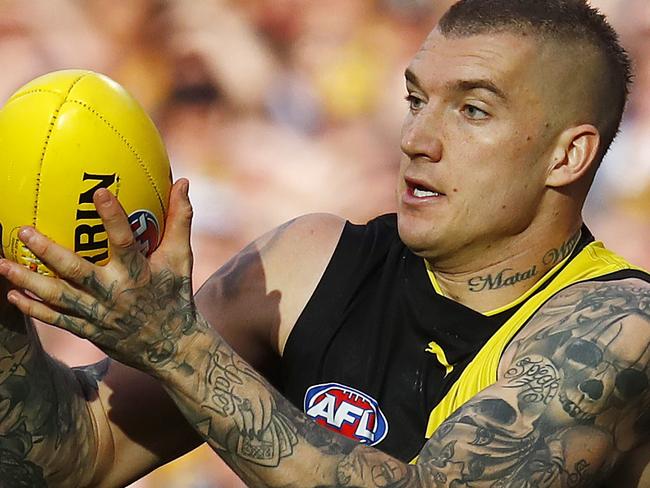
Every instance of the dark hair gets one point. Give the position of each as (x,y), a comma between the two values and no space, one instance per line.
(567,21)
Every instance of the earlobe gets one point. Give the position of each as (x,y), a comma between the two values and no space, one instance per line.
(575,155)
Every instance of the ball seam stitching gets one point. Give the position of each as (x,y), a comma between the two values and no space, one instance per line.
(45,145)
(129,146)
(35,90)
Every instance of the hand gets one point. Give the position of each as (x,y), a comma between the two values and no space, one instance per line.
(135,309)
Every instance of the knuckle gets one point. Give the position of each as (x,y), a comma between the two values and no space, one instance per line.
(123,240)
(28,308)
(49,317)
(188,214)
(75,269)
(18,275)
(42,246)
(51,295)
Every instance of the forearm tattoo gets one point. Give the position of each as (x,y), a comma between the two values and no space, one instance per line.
(579,375)
(46,435)
(571,401)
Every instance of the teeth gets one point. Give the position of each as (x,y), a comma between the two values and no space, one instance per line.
(425,193)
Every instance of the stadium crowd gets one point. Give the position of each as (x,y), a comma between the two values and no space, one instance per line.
(285,107)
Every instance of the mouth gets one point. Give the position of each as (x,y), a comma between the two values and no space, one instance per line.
(420,190)
(575,411)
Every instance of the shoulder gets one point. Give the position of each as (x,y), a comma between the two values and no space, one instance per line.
(256,297)
(304,231)
(294,244)
(309,243)
(294,258)
(622,305)
(299,242)
(593,341)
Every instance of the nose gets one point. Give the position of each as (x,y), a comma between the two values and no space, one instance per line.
(421,135)
(592,388)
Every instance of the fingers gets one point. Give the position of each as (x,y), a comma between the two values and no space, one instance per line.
(62,261)
(55,293)
(176,241)
(45,287)
(43,312)
(116,223)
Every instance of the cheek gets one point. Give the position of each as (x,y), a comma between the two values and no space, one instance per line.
(501,185)
(403,164)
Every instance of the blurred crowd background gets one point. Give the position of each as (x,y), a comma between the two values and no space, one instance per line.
(276,108)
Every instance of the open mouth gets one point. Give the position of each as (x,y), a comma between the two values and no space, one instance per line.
(419,189)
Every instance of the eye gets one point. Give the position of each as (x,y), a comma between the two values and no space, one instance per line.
(474,113)
(415,103)
(631,382)
(586,353)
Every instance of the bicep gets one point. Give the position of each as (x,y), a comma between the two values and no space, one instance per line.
(570,399)
(139,427)
(496,438)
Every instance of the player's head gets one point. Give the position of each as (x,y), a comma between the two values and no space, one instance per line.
(575,28)
(513,104)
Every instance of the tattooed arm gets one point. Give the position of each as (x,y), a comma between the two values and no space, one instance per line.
(76,427)
(42,410)
(81,416)
(570,400)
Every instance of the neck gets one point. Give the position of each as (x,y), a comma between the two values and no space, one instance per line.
(491,283)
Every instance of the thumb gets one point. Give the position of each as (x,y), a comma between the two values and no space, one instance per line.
(176,240)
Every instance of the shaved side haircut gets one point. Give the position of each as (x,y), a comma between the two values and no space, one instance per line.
(569,23)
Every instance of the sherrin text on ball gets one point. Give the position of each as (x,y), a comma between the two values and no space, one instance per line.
(63,136)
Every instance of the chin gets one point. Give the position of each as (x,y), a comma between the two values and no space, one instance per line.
(421,239)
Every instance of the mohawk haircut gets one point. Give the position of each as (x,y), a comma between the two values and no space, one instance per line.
(564,21)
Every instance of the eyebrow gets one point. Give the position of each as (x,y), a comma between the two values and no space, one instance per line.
(410,76)
(463,85)
(478,84)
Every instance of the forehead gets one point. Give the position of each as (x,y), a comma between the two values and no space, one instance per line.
(503,58)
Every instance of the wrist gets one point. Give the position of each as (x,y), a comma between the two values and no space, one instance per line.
(189,353)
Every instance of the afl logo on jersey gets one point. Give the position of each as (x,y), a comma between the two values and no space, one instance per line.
(347,411)
(145,230)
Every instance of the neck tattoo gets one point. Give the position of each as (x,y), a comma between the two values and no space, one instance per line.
(510,277)
(554,256)
(505,277)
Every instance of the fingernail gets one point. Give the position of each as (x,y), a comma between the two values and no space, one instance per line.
(185,187)
(26,234)
(103,197)
(12,296)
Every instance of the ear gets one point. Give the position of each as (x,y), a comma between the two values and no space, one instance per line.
(574,155)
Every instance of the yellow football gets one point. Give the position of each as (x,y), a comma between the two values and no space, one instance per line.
(63,136)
